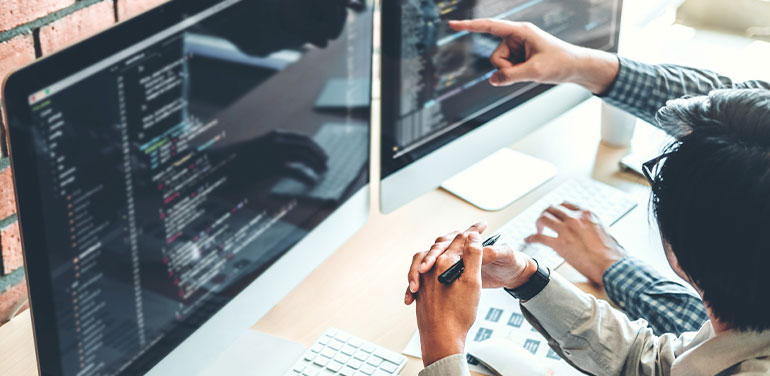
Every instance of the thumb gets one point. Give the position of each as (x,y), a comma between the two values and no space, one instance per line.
(472,254)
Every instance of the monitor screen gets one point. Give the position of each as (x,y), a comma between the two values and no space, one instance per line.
(173,172)
(435,80)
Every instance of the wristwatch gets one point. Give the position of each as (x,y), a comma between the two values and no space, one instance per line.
(534,285)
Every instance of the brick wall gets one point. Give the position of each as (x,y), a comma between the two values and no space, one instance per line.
(30,29)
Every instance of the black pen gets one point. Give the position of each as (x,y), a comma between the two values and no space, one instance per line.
(456,270)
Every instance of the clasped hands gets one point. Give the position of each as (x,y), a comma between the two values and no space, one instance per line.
(445,313)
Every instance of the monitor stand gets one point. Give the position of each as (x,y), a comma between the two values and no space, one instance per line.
(500,179)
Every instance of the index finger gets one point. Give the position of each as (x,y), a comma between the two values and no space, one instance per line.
(497,28)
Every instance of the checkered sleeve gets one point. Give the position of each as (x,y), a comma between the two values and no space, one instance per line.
(642,89)
(642,292)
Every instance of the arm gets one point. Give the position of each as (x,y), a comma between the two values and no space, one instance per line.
(528,53)
(642,89)
(596,338)
(644,293)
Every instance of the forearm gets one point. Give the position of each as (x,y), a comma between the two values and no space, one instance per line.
(642,292)
(593,336)
(642,89)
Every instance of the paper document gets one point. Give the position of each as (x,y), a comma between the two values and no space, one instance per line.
(499,316)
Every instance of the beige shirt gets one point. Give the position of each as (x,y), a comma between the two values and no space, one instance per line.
(600,340)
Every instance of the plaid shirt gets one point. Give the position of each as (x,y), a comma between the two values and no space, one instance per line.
(644,293)
(642,89)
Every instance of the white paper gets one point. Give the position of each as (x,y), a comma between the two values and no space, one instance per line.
(499,316)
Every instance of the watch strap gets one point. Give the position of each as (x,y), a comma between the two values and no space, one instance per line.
(534,285)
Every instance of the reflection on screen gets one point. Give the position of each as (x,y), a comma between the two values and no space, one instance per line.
(435,79)
(174,175)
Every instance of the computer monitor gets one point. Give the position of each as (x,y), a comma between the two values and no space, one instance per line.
(180,173)
(439,113)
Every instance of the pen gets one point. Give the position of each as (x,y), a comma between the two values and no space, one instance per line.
(456,270)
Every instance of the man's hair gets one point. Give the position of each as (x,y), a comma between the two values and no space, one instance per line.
(711,198)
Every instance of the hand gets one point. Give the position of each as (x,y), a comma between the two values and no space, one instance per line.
(501,265)
(445,314)
(318,21)
(582,240)
(528,53)
(422,262)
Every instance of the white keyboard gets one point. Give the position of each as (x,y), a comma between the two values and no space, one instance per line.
(608,203)
(339,353)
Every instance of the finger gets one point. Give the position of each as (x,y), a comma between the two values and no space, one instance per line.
(479,227)
(409,297)
(413,277)
(557,212)
(542,239)
(433,254)
(548,220)
(472,257)
(447,237)
(493,252)
(501,56)
(498,28)
(455,249)
(570,206)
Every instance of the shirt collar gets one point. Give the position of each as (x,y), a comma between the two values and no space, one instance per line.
(710,354)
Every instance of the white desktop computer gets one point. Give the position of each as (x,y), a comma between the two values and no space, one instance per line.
(180,173)
(440,116)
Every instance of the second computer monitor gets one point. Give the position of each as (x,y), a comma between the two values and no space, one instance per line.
(439,113)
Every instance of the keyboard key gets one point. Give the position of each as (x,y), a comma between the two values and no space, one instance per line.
(329,353)
(348,350)
(336,344)
(310,372)
(374,361)
(334,366)
(347,371)
(389,367)
(367,369)
(309,356)
(342,337)
(368,347)
(324,340)
(321,361)
(389,356)
(299,367)
(342,358)
(360,355)
(355,363)
(316,348)
(380,372)
(355,342)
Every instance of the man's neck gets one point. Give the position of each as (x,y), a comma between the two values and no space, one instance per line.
(717,325)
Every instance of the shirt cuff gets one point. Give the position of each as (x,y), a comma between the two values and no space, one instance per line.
(558,306)
(627,278)
(453,365)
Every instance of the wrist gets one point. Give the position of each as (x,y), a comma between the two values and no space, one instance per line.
(434,350)
(530,268)
(595,70)
(602,267)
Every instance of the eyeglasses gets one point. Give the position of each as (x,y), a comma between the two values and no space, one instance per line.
(649,168)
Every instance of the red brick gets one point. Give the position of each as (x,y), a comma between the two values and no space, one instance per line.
(10,298)
(76,26)
(18,12)
(131,8)
(7,197)
(10,243)
(15,53)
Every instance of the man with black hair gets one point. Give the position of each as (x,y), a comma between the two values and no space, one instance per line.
(711,199)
